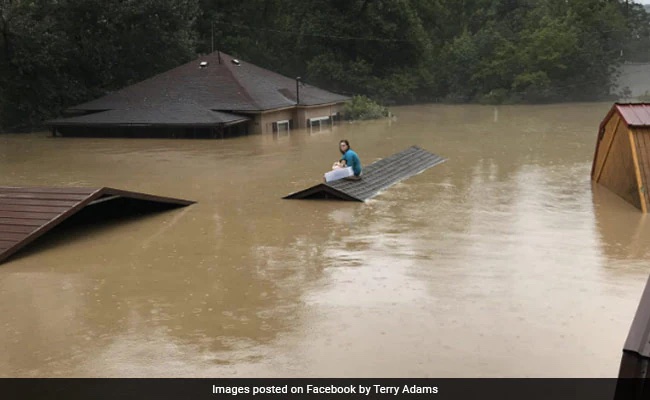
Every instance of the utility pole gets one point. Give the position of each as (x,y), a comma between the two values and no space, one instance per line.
(212,35)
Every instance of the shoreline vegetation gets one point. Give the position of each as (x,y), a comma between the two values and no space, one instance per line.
(361,108)
(56,54)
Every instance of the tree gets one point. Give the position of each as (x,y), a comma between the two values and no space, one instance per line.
(58,53)
(55,53)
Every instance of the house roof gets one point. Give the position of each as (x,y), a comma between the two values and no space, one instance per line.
(224,86)
(167,114)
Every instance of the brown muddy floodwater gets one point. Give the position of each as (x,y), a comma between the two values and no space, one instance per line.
(501,262)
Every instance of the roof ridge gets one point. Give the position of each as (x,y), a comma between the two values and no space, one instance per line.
(239,85)
(214,82)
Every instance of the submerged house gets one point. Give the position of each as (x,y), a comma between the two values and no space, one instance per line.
(622,156)
(213,96)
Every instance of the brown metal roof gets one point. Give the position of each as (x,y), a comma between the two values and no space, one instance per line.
(26,213)
(198,92)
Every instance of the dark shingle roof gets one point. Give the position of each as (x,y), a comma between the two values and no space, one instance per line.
(223,87)
(174,114)
(376,177)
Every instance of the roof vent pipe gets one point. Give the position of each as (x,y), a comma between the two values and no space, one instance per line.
(298,90)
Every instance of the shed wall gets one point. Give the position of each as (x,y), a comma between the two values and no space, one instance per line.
(604,145)
(642,142)
(618,171)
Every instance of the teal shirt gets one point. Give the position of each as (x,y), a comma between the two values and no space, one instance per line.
(352,160)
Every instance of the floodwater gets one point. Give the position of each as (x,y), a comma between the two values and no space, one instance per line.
(503,261)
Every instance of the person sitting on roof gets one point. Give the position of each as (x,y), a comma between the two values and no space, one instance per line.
(351,159)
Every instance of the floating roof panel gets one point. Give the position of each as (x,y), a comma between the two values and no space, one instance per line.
(376,177)
(27,213)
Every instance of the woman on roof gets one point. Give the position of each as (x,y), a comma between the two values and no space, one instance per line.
(350,158)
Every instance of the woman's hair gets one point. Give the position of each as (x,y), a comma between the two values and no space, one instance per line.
(347,144)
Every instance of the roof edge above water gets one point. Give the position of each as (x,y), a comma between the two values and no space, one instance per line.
(376,177)
(27,213)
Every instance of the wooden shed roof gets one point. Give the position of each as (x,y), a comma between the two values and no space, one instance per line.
(27,213)
(376,177)
(634,114)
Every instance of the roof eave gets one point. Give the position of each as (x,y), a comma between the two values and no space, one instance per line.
(136,124)
(314,191)
(332,103)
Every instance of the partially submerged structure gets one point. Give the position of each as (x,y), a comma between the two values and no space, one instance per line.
(633,373)
(636,350)
(28,213)
(622,157)
(376,177)
(213,96)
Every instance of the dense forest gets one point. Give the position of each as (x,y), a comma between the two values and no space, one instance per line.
(56,53)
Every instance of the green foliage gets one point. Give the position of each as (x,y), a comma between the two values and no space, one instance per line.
(362,108)
(496,96)
(56,53)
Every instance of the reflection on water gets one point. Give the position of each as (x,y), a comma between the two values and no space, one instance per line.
(503,253)
(623,231)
